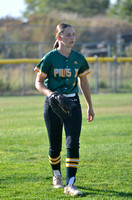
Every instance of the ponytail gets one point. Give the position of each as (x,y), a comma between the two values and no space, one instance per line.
(56,44)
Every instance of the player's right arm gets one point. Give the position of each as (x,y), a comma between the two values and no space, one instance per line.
(40,86)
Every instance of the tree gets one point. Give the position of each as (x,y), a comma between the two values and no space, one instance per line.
(83,7)
(122,9)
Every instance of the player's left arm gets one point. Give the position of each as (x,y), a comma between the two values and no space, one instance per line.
(84,85)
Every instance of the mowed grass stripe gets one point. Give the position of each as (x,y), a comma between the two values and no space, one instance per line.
(104,170)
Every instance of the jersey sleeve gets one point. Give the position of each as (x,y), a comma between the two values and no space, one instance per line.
(43,67)
(85,69)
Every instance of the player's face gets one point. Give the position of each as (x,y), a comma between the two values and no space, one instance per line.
(68,37)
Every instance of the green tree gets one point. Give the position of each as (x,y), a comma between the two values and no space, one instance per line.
(122,9)
(84,7)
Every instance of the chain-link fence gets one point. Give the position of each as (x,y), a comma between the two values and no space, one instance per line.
(33,41)
(108,75)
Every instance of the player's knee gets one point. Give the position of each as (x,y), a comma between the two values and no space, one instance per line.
(72,143)
(55,150)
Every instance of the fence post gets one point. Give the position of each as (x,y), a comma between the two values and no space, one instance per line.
(115,74)
(96,73)
(23,78)
(121,75)
(40,50)
(7,56)
(119,52)
(109,65)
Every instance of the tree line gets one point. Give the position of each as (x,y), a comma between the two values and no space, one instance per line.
(121,9)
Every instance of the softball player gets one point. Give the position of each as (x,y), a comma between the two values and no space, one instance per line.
(59,70)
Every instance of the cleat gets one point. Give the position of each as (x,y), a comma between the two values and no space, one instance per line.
(57,181)
(72,190)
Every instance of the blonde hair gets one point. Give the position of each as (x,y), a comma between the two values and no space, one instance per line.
(59,29)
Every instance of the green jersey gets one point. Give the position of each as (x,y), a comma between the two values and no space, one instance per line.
(61,73)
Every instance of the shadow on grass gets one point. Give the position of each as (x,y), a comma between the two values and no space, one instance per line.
(104,192)
(18,178)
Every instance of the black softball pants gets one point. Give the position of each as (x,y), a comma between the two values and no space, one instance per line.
(72,126)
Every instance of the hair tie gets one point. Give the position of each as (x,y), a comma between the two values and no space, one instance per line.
(55,35)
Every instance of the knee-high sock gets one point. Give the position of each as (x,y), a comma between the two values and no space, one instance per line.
(71,163)
(55,160)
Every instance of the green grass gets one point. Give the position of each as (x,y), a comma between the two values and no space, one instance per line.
(105,150)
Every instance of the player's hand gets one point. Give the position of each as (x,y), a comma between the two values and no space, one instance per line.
(90,114)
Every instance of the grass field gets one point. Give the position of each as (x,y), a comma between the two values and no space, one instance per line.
(105,168)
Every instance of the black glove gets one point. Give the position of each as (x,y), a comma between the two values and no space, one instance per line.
(61,105)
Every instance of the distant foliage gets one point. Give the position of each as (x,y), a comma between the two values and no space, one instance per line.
(122,9)
(83,7)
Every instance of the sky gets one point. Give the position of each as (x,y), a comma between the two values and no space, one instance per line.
(14,8)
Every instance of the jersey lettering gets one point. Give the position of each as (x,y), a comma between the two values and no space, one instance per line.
(68,72)
(76,72)
(62,72)
(55,72)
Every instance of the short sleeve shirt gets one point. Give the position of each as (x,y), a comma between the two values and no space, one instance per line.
(61,73)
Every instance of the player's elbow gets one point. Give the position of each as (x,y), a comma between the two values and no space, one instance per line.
(36,84)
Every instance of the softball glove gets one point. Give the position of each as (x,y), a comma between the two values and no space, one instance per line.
(61,105)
